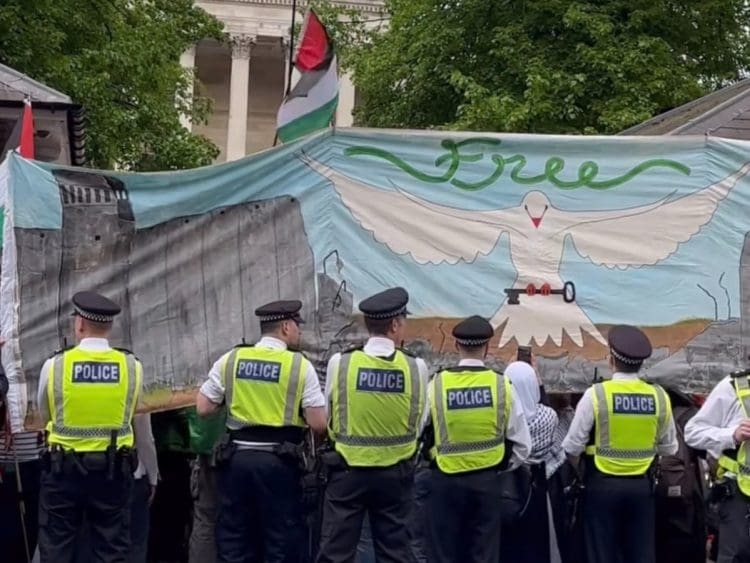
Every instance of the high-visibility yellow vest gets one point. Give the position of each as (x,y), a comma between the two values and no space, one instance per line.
(470,410)
(90,394)
(628,414)
(376,409)
(739,463)
(263,387)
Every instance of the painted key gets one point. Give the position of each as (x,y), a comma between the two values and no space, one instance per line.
(568,292)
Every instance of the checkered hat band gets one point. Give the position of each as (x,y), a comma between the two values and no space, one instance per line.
(388,315)
(95,317)
(623,359)
(472,341)
(278,317)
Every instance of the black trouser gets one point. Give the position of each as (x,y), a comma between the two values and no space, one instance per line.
(734,527)
(11,531)
(66,497)
(386,495)
(463,517)
(618,518)
(260,516)
(527,538)
(140,513)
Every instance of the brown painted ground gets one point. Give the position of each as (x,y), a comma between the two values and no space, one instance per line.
(438,333)
(674,337)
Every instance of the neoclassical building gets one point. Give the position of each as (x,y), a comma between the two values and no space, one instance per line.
(247,79)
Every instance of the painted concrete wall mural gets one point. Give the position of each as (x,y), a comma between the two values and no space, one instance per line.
(555,239)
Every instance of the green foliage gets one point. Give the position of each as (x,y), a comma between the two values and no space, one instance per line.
(119,59)
(544,66)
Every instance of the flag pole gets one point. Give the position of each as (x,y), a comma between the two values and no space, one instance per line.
(291,63)
(291,50)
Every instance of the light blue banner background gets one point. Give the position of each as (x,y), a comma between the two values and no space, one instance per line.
(654,295)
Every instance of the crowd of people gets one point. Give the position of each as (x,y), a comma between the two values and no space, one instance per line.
(461,463)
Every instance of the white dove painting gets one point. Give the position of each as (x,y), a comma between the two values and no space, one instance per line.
(537,232)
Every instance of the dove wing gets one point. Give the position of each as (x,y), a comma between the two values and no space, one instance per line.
(645,235)
(430,233)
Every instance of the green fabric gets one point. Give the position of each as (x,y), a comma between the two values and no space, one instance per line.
(171,430)
(205,432)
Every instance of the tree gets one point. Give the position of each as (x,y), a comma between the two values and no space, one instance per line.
(545,66)
(119,59)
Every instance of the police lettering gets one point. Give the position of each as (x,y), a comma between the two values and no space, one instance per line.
(257,370)
(633,403)
(380,380)
(469,398)
(96,372)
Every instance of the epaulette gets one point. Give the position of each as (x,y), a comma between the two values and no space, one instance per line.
(740,373)
(61,350)
(358,347)
(244,344)
(407,352)
(126,351)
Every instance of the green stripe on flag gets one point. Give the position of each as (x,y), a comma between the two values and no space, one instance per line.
(309,123)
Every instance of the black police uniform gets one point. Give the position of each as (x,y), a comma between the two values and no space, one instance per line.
(463,512)
(94,486)
(259,505)
(386,494)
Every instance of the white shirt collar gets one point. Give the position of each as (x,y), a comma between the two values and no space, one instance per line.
(94,344)
(471,362)
(273,343)
(379,346)
(627,376)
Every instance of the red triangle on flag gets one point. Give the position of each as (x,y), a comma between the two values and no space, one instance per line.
(315,48)
(27,131)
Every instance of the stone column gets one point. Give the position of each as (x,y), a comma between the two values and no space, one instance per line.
(345,109)
(187,60)
(238,92)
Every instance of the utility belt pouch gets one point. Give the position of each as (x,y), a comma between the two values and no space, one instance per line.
(333,461)
(128,460)
(225,450)
(722,490)
(288,452)
(56,460)
(111,455)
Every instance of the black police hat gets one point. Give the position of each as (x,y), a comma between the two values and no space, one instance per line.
(94,307)
(474,331)
(280,311)
(629,344)
(386,304)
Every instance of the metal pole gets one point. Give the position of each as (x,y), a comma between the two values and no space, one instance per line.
(10,441)
(291,63)
(291,49)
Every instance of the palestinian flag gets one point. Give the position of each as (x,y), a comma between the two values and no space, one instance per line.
(312,101)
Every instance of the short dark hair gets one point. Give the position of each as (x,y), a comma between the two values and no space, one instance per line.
(378,326)
(470,349)
(268,327)
(626,367)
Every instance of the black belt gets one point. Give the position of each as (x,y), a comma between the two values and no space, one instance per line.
(269,434)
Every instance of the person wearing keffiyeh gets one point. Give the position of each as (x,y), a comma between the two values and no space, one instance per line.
(532,538)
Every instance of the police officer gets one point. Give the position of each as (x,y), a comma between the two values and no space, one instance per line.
(270,392)
(479,428)
(87,398)
(722,428)
(377,398)
(621,425)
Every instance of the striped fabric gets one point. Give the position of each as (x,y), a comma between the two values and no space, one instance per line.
(28,446)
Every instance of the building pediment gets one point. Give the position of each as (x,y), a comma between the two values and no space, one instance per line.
(363,5)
